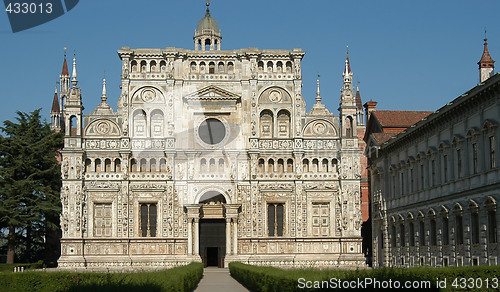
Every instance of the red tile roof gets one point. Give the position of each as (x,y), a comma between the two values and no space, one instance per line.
(382,137)
(399,119)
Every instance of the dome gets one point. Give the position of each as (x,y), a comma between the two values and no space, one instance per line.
(207,35)
(208,23)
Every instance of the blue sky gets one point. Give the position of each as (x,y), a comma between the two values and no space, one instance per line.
(407,55)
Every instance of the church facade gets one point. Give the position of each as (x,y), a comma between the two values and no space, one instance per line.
(210,156)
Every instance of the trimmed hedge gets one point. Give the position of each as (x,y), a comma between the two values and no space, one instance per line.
(177,279)
(257,278)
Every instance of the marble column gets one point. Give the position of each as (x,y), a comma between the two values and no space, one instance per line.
(235,236)
(190,237)
(228,236)
(196,236)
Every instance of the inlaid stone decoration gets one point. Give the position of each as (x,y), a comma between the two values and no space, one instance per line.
(210,156)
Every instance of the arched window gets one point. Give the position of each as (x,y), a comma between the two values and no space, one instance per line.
(221,165)
(157,123)
(143,165)
(88,164)
(97,165)
(118,165)
(260,67)
(269,67)
(270,165)
(163,165)
(289,165)
(230,67)
(73,126)
(433,232)
(288,67)
(193,66)
(133,64)
(107,165)
(211,68)
(139,123)
(221,67)
(266,124)
(348,127)
(212,165)
(216,45)
(412,234)
(283,124)
(422,232)
(143,66)
(261,166)
(315,163)
(279,67)
(163,66)
(153,66)
(334,165)
(203,165)
(281,165)
(152,165)
(402,234)
(305,165)
(202,67)
(324,166)
(207,45)
(133,165)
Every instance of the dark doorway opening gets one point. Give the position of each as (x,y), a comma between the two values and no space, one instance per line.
(212,257)
(213,242)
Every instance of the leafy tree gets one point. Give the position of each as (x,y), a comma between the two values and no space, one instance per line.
(30,182)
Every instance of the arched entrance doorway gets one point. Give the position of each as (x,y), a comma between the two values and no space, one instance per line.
(212,229)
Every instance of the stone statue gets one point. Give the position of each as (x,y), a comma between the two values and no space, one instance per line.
(65,168)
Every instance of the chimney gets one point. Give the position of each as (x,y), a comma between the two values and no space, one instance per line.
(369,108)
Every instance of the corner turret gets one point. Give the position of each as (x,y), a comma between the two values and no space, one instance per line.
(486,64)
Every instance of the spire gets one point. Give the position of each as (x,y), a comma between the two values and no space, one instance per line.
(347,75)
(103,108)
(73,76)
(103,97)
(55,103)
(318,108)
(65,66)
(347,63)
(486,64)
(359,104)
(486,58)
(318,97)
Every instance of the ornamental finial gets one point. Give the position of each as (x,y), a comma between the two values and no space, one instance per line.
(318,97)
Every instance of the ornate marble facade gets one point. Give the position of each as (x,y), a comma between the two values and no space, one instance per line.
(210,156)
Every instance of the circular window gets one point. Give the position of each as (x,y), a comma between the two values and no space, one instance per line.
(212,131)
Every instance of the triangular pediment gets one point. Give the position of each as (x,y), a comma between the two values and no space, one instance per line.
(212,93)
